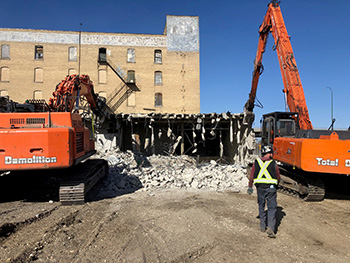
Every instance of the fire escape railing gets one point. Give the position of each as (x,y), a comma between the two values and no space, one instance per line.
(123,90)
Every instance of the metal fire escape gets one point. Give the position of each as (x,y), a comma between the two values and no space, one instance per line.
(123,90)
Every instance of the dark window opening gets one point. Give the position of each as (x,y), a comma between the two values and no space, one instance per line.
(39,52)
(158,100)
(158,56)
(131,76)
(102,54)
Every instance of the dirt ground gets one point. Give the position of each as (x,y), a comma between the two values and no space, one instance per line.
(173,226)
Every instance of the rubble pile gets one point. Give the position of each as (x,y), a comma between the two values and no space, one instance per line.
(130,171)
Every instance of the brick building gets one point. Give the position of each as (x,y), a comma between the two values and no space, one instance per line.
(163,69)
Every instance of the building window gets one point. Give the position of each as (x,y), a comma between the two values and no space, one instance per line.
(39,52)
(72,71)
(5,52)
(131,55)
(4,93)
(157,56)
(102,76)
(37,94)
(158,78)
(72,54)
(5,74)
(131,76)
(102,54)
(38,75)
(158,102)
(131,99)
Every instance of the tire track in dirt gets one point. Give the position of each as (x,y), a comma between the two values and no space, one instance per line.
(7,229)
(27,238)
(119,222)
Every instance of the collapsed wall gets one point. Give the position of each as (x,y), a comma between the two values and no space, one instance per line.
(155,151)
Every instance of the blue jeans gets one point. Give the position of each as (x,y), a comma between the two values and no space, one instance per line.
(267,196)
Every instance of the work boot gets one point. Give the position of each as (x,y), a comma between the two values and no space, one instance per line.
(270,233)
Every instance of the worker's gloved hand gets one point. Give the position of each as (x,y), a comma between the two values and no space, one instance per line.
(250,190)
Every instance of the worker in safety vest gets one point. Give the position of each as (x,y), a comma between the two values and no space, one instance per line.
(265,175)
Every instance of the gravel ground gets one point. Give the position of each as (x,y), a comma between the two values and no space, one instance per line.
(166,209)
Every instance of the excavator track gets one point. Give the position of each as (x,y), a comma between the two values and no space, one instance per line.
(308,187)
(81,179)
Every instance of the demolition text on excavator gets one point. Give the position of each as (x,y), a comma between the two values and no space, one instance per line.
(30,160)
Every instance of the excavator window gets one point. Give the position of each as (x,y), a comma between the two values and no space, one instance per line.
(286,127)
(268,130)
(272,131)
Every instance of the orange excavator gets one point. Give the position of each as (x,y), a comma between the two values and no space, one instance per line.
(304,155)
(40,136)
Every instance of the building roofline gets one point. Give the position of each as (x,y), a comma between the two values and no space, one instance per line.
(77,32)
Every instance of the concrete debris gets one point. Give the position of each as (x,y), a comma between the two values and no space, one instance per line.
(130,171)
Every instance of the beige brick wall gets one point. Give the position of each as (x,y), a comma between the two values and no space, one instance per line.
(180,70)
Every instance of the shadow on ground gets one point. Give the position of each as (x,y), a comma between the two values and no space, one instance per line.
(337,186)
(279,216)
(30,186)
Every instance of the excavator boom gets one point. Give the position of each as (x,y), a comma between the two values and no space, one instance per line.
(273,23)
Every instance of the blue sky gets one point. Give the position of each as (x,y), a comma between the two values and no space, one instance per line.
(319,31)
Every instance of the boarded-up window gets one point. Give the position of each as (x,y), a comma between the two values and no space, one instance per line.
(132,100)
(39,52)
(72,54)
(158,56)
(102,76)
(102,94)
(38,75)
(131,55)
(72,71)
(5,74)
(4,93)
(131,76)
(158,102)
(37,94)
(5,52)
(158,78)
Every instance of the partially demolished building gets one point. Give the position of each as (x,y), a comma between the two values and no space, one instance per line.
(221,137)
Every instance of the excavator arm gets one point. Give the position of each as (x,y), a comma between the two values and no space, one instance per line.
(68,92)
(293,90)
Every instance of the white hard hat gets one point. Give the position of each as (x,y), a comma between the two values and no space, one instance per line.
(267,149)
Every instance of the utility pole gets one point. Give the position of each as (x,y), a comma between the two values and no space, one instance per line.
(79,47)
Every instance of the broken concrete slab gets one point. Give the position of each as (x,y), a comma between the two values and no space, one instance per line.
(168,172)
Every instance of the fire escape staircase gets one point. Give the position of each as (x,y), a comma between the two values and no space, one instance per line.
(122,91)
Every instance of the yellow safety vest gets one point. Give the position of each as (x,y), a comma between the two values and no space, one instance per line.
(264,176)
